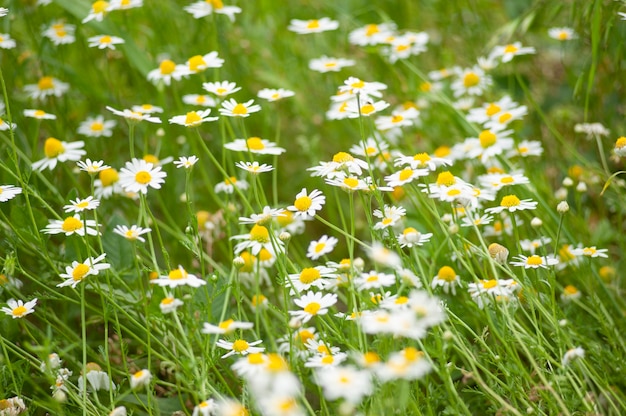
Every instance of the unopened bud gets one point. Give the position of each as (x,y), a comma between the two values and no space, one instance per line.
(160,132)
(568,181)
(560,194)
(284,236)
(295,323)
(359,264)
(562,207)
(498,252)
(239,262)
(581,187)
(453,228)
(536,222)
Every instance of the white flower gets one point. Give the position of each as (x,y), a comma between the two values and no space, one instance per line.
(169,304)
(408,364)
(97,127)
(133,233)
(199,63)
(98,10)
(60,33)
(321,247)
(327,64)
(125,4)
(313,304)
(135,116)
(319,277)
(229,184)
(203,8)
(138,175)
(58,151)
(232,108)
(146,109)
(264,217)
(411,237)
(92,167)
(118,411)
(3,11)
(307,204)
(80,205)
(221,89)
(344,382)
(255,145)
(271,94)
(140,379)
(167,71)
(104,41)
(8,192)
(446,278)
(178,277)
(185,162)
(312,26)
(75,273)
(374,280)
(507,52)
(98,379)
(199,99)
(512,203)
(225,327)
(39,114)
(193,118)
(255,168)
(590,252)
(45,87)
(240,346)
(207,407)
(535,261)
(372,34)
(365,89)
(571,355)
(71,225)
(19,309)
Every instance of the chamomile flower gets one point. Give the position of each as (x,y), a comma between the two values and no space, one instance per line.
(405,46)
(402,118)
(80,205)
(326,360)
(98,10)
(134,115)
(321,247)
(512,203)
(205,408)
(77,272)
(125,4)
(193,118)
(19,309)
(303,27)
(229,184)
(146,109)
(471,81)
(341,164)
(591,252)
(225,327)
(264,217)
(255,145)
(254,167)
(526,148)
(169,304)
(365,89)
(39,114)
(201,100)
(446,278)
(571,355)
(3,11)
(118,411)
(533,245)
(4,126)
(60,33)
(204,8)
(186,162)
(8,192)
(259,238)
(408,364)
(326,64)
(318,277)
(488,144)
(199,63)
(104,42)
(570,293)
(422,161)
(405,176)
(371,34)
(364,107)
(167,71)
(97,127)
(133,233)
(221,88)
(313,304)
(498,180)
(97,379)
(271,94)
(71,225)
(46,87)
(307,204)
(345,382)
(58,151)
(138,175)
(507,52)
(411,237)
(374,280)
(178,277)
(140,379)
(107,183)
(620,147)
(390,216)
(240,346)
(535,261)
(232,108)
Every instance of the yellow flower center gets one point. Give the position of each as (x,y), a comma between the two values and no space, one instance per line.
(303,203)
(276,363)
(240,345)
(196,62)
(217,4)
(534,260)
(177,274)
(225,324)
(105,39)
(313,24)
(409,230)
(446,179)
(138,374)
(96,126)
(200,99)
(167,301)
(371,30)
(425,86)
(61,33)
(446,273)
(510,201)
(260,234)
(100,6)
(143,177)
(342,157)
(151,159)
(371,358)
(240,110)
(255,143)
(492,109)
(19,311)
(255,358)
(258,300)
(288,404)
(489,284)
(372,278)
(570,290)
(470,80)
(265,255)
(510,49)
(309,275)
(83,204)
(248,260)
(71,224)
(285,219)
(507,180)
(327,359)
(305,335)
(504,118)
(319,247)
(589,251)
(621,142)
(367,109)
(453,192)
(45,83)
(167,67)
(405,174)
(39,113)
(606,273)
(108,176)
(412,354)
(358,84)
(312,308)
(192,118)
(487,138)
(442,151)
(402,300)
(422,158)
(53,148)
(563,35)
(351,182)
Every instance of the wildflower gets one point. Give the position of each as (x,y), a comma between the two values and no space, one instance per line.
(169,304)
(571,355)
(508,52)
(8,192)
(380,254)
(403,118)
(138,175)
(303,27)
(405,176)
(39,114)
(570,293)
(240,346)
(193,118)
(499,180)
(118,411)
(60,33)
(80,205)
(107,183)
(264,217)
(327,64)
(205,408)
(19,309)
(256,240)
(125,4)
(225,327)
(98,379)
(374,280)
(254,168)
(307,204)
(313,304)
(591,252)
(199,63)
(390,216)
(229,184)
(344,382)
(535,261)
(3,11)
(411,237)
(408,364)
(371,34)
(75,273)
(471,81)
(204,8)
(71,225)
(98,10)
(133,233)
(255,145)
(326,360)
(58,151)
(512,203)
(221,89)
(620,147)
(167,71)
(134,116)
(341,163)
(104,42)
(321,247)
(178,277)
(365,89)
(232,108)
(45,87)
(485,292)
(562,33)
(140,379)
(364,107)
(271,94)
(186,162)
(12,406)
(498,252)
(4,126)
(447,278)
(96,127)
(591,129)
(318,277)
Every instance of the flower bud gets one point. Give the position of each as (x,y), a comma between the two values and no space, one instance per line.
(498,252)
(536,222)
(563,207)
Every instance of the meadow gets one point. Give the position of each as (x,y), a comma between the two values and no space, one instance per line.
(312,208)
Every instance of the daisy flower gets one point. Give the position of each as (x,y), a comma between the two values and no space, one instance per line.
(408,364)
(270,94)
(186,162)
(39,114)
(364,107)
(535,261)
(45,87)
(8,192)
(193,118)
(562,33)
(118,411)
(169,304)
(354,85)
(326,360)
(468,221)
(255,145)
(97,379)
(327,64)
(75,273)
(411,237)
(422,161)
(60,33)
(570,293)
(3,11)
(590,252)
(526,148)
(498,180)
(512,203)
(140,379)
(321,247)
(178,277)
(133,233)
(620,147)
(313,304)
(232,108)
(97,127)
(229,184)
(264,217)
(104,41)
(199,63)
(342,163)
(4,126)
(348,183)
(345,382)
(403,118)
(205,408)
(309,277)
(146,109)
(240,347)
(307,204)
(447,279)
(471,81)
(107,183)
(125,4)
(134,116)
(488,144)
(19,309)
(405,176)
(507,52)
(255,168)
(204,8)
(591,129)
(303,27)
(374,280)
(221,89)
(58,151)
(225,327)
(98,10)
(80,205)
(138,175)
(571,355)
(167,71)
(199,99)
(371,34)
